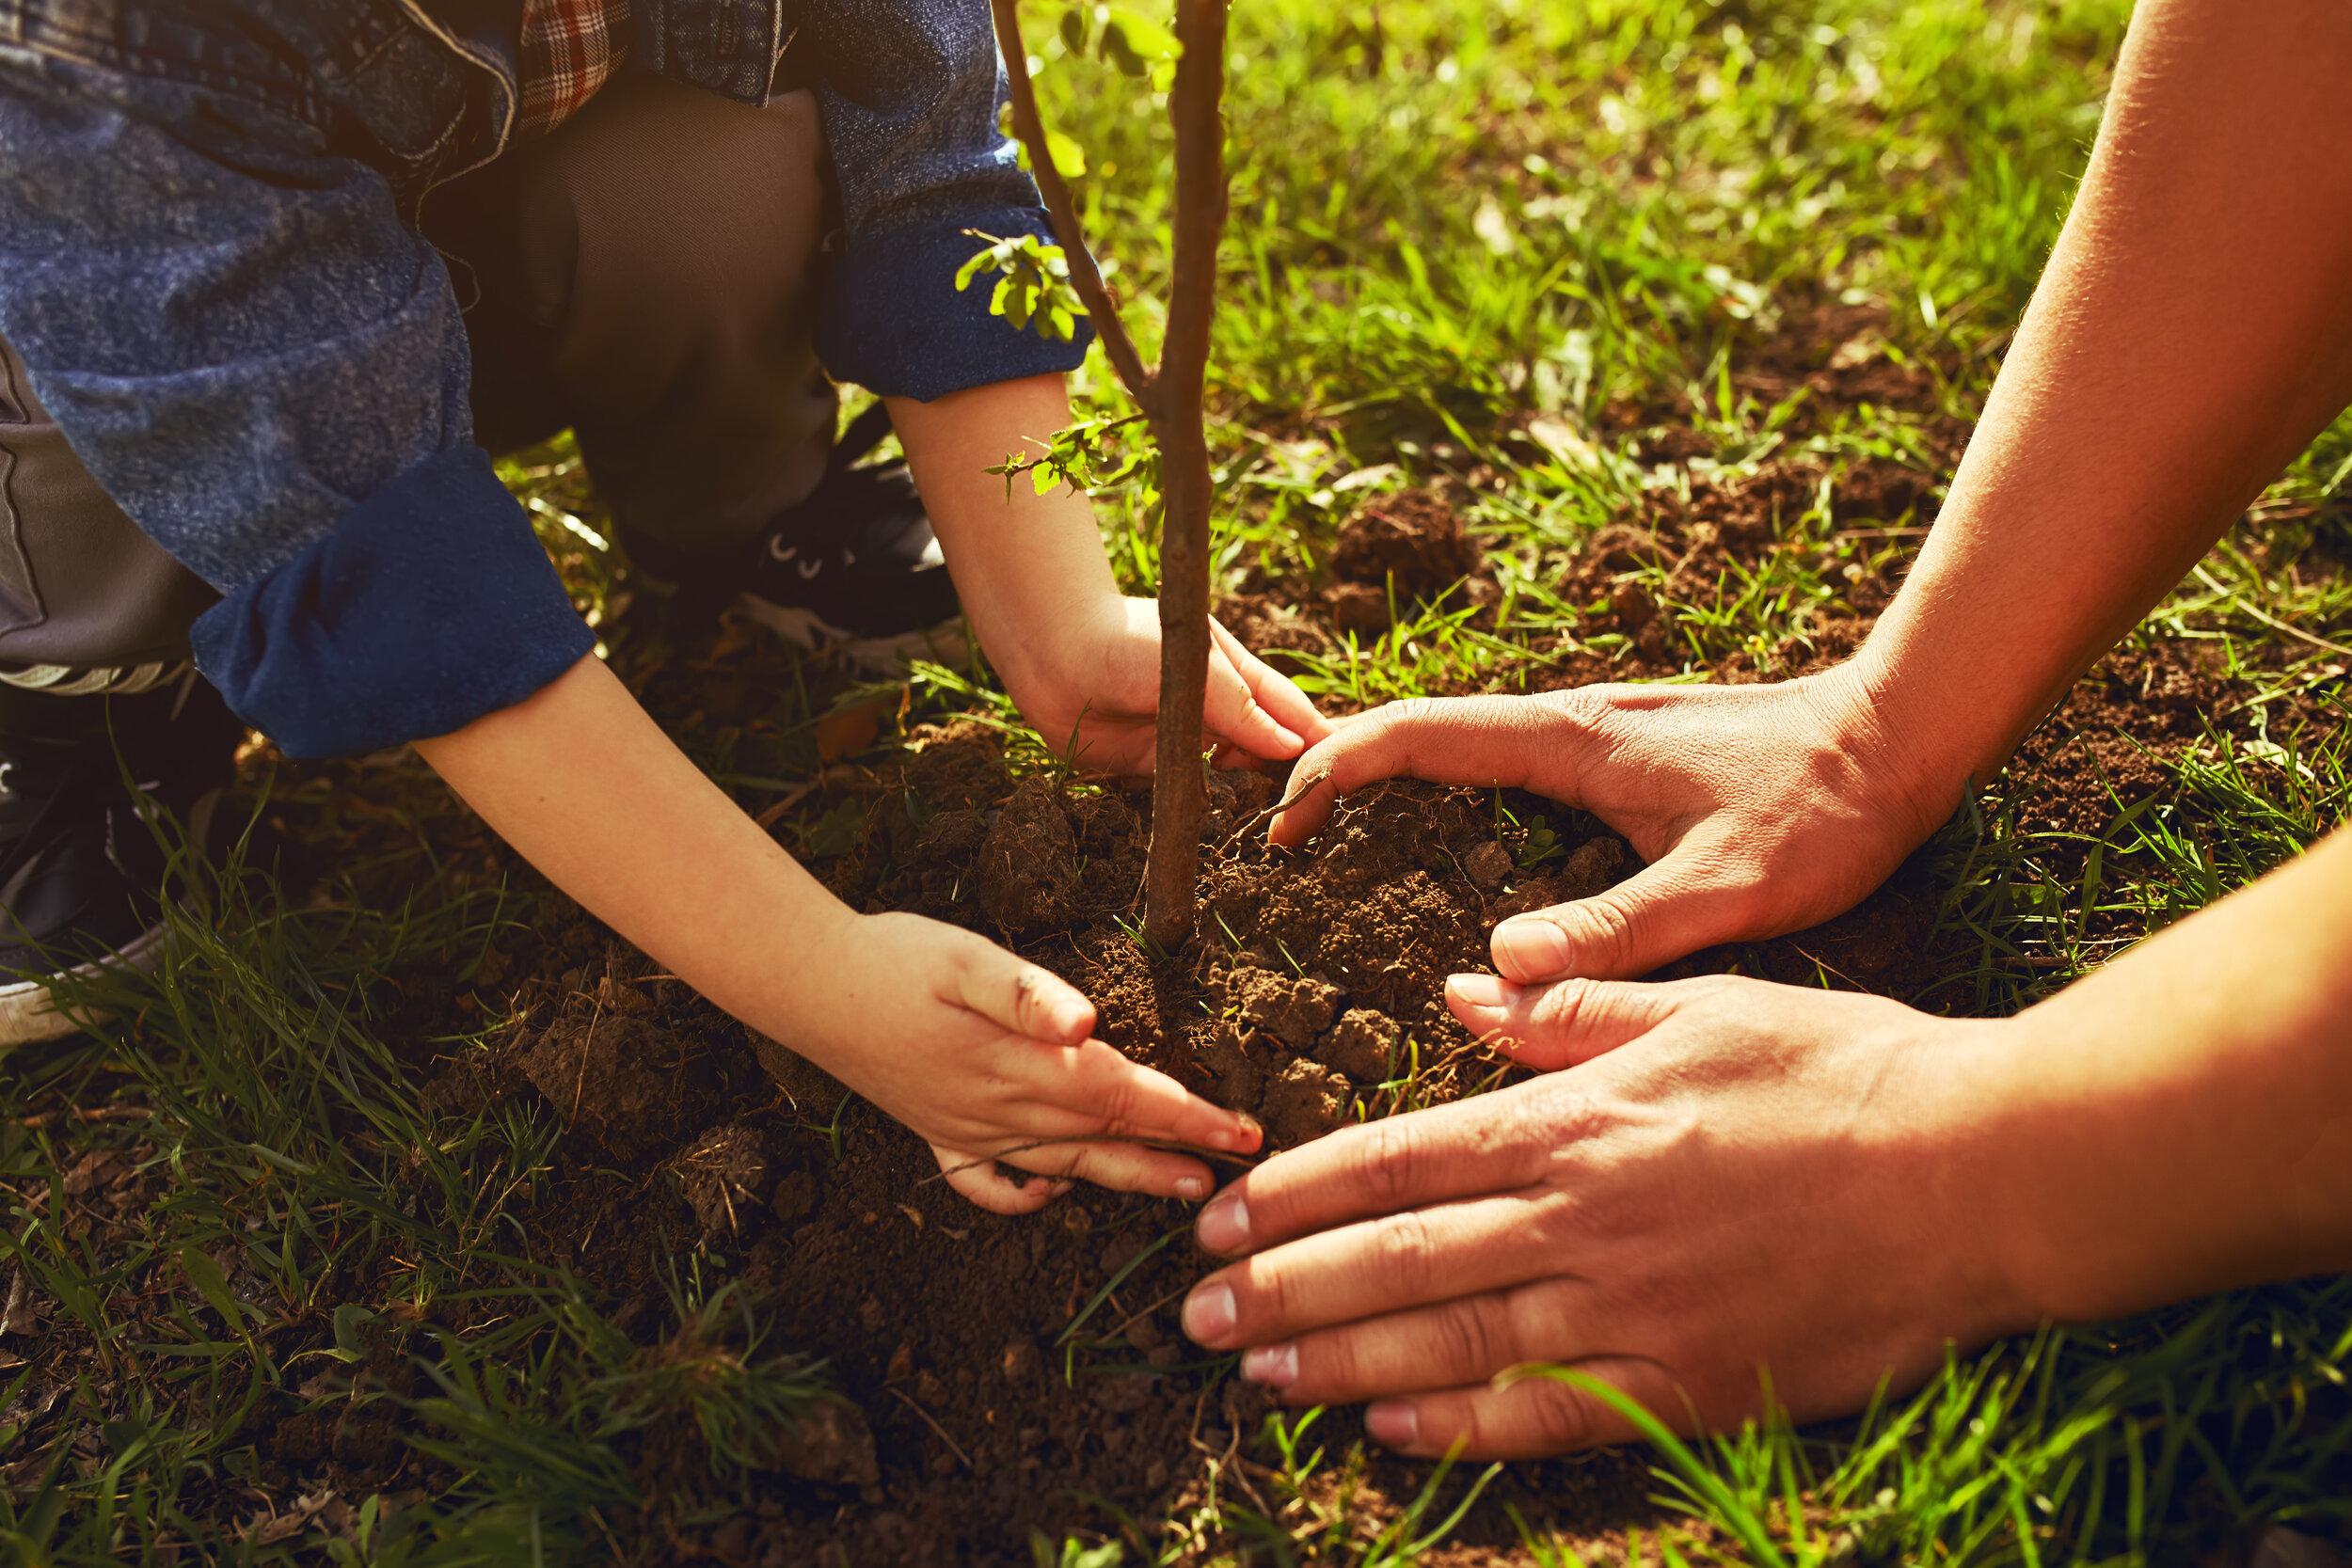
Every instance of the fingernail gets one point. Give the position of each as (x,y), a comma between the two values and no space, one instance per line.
(1538,948)
(1393,1422)
(1276,1365)
(1224,1224)
(1192,1189)
(1209,1313)
(1478,990)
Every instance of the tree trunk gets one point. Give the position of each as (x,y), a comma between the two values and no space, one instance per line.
(1179,799)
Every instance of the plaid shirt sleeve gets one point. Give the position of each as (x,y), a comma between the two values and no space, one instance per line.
(569,49)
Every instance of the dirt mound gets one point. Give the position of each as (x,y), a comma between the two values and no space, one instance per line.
(1409,545)
(627,1086)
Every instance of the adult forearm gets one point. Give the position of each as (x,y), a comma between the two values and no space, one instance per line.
(2192,333)
(585,786)
(2181,1121)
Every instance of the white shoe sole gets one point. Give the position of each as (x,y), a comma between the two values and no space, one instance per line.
(944,644)
(27,1015)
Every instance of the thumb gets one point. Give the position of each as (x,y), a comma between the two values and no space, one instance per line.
(1691,898)
(1233,712)
(1548,1027)
(1017,995)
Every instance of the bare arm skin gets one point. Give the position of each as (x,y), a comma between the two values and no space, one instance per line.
(1079,659)
(2192,333)
(1726,1177)
(972,1048)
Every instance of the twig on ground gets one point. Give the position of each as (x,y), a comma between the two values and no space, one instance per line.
(1300,790)
(94,1113)
(953,1447)
(838,773)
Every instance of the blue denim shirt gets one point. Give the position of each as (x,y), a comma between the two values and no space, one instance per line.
(208,262)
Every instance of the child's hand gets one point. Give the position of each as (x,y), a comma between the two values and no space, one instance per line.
(985,1055)
(1095,694)
(1083,662)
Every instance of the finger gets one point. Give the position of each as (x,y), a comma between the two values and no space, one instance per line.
(1699,895)
(1113,1097)
(1275,692)
(1563,1024)
(1092,1091)
(1530,1419)
(1492,1142)
(1232,712)
(1416,1259)
(977,1178)
(1121,1167)
(1517,742)
(1017,995)
(1456,1343)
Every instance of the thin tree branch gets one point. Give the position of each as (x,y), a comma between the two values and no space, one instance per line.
(1179,798)
(1068,232)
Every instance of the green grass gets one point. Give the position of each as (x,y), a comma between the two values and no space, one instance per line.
(1498,245)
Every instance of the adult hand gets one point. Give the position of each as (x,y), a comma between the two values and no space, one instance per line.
(1729,1177)
(1760,809)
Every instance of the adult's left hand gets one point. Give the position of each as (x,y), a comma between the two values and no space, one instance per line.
(1725,1179)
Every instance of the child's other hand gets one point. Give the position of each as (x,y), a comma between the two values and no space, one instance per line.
(984,1055)
(1097,695)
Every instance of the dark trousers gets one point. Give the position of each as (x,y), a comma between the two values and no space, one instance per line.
(643,275)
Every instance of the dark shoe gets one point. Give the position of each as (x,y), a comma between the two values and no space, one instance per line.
(855,566)
(80,870)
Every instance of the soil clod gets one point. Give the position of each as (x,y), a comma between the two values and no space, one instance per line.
(632,1089)
(1028,865)
(1489,867)
(829,1443)
(1306,1101)
(1294,1010)
(728,1176)
(1412,537)
(1362,1045)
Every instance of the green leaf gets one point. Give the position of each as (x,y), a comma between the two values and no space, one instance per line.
(212,1286)
(1070,159)
(348,1317)
(1074,30)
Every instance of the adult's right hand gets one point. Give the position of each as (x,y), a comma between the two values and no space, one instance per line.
(1760,809)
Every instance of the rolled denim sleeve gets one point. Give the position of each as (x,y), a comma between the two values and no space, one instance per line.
(909,91)
(264,366)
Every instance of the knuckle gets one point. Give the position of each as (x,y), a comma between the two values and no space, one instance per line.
(1601,928)
(1581,707)
(1558,1417)
(1404,1254)
(1386,1158)
(1467,1340)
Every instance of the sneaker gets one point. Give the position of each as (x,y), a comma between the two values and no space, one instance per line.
(80,871)
(854,567)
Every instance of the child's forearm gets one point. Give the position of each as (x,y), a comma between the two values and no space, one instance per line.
(1029,568)
(587,788)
